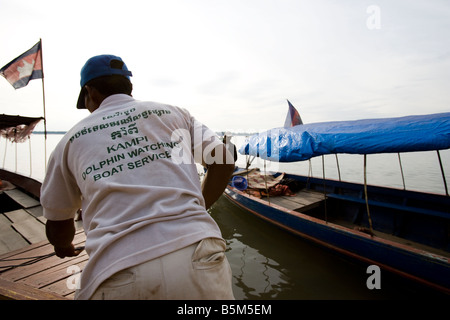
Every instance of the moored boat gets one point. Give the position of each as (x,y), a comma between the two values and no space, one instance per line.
(405,232)
(21,213)
(29,269)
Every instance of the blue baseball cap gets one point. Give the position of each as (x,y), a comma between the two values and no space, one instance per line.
(100,66)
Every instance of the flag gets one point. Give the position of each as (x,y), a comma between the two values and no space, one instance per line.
(293,117)
(26,67)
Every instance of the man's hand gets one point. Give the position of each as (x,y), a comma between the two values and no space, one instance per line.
(60,234)
(217,176)
(69,251)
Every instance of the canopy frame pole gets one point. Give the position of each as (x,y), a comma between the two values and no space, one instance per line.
(4,155)
(324,191)
(249,161)
(265,182)
(43,104)
(310,168)
(309,171)
(246,173)
(442,172)
(401,170)
(366,195)
(31,162)
(15,150)
(338,168)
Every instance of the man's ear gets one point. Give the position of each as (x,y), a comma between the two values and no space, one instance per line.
(95,96)
(89,91)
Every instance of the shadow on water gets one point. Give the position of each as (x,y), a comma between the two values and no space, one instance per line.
(270,263)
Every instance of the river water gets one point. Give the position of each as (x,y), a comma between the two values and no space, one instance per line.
(269,263)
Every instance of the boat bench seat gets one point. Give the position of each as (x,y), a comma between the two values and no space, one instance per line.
(31,228)
(22,199)
(302,201)
(423,211)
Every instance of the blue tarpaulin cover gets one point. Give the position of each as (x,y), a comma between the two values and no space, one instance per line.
(302,142)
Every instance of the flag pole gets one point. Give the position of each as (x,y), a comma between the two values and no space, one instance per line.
(43,101)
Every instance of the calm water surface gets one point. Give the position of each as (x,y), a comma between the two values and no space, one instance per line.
(270,263)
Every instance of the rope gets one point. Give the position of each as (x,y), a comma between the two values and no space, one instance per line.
(27,263)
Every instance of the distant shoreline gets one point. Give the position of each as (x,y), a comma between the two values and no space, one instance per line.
(220,133)
(50,132)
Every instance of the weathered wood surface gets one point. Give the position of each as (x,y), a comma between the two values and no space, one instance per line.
(25,183)
(46,278)
(29,270)
(22,199)
(10,239)
(302,201)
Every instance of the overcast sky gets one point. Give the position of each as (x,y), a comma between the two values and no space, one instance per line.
(233,63)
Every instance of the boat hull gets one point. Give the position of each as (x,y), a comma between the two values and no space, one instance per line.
(30,185)
(422,266)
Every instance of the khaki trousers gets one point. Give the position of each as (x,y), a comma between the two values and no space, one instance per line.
(199,271)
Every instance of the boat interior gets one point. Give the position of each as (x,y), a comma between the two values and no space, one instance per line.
(412,218)
(29,270)
(21,220)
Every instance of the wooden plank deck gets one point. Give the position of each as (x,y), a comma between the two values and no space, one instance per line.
(29,269)
(21,224)
(302,201)
(10,239)
(22,199)
(32,229)
(20,228)
(34,272)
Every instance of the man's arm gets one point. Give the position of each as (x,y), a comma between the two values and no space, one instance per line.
(217,177)
(60,234)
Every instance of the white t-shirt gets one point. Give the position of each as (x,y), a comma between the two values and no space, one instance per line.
(130,166)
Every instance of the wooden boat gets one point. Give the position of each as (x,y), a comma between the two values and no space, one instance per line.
(29,270)
(19,195)
(405,232)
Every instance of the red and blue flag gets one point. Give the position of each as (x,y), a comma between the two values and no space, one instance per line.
(26,67)
(293,117)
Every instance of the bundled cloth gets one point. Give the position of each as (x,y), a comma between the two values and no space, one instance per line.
(260,185)
(17,132)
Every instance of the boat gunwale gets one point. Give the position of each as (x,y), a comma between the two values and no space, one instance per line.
(408,250)
(338,227)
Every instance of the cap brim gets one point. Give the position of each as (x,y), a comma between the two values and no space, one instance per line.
(80,102)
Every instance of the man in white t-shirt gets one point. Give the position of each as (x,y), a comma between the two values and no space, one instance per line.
(130,166)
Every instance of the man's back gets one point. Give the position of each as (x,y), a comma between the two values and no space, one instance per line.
(130,167)
(140,187)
